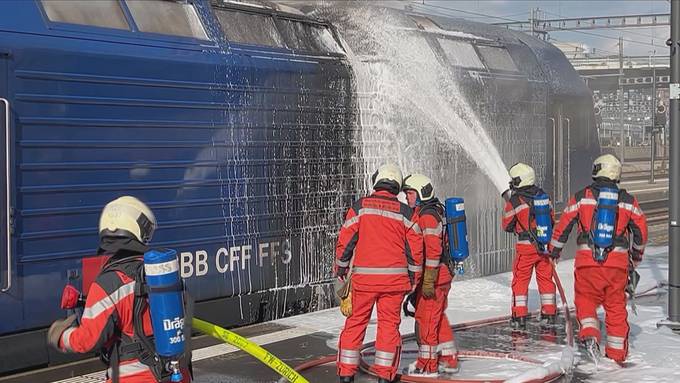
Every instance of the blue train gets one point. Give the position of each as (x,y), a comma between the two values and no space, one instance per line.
(238,124)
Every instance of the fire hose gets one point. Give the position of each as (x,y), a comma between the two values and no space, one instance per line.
(548,376)
(251,348)
(463,354)
(550,372)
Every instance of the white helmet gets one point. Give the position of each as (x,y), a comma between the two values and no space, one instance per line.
(127,217)
(388,173)
(421,184)
(521,175)
(607,166)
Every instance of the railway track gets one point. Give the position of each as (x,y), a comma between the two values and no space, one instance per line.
(644,175)
(632,171)
(656,211)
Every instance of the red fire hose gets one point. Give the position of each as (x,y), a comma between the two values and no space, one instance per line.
(567,313)
(365,367)
(468,354)
(464,354)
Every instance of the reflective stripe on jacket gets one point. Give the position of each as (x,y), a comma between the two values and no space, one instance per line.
(631,227)
(431,224)
(386,241)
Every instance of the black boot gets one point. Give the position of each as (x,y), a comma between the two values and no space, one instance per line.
(347,379)
(519,323)
(592,349)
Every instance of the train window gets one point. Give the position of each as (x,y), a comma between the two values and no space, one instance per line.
(167,17)
(461,54)
(102,13)
(308,37)
(325,39)
(497,58)
(249,28)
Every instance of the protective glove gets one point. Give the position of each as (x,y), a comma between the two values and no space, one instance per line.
(345,295)
(636,257)
(555,253)
(346,305)
(58,328)
(341,273)
(429,278)
(633,279)
(410,299)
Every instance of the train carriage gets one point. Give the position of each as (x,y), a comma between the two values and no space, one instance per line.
(243,128)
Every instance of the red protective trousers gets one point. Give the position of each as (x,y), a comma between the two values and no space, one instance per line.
(603,286)
(526,260)
(388,339)
(436,343)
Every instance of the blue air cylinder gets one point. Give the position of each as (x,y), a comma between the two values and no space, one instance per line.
(605,221)
(543,219)
(166,304)
(456,229)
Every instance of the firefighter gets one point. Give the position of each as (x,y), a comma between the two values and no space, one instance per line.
(523,199)
(601,274)
(386,243)
(436,345)
(114,318)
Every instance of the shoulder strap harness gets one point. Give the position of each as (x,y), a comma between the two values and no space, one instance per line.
(139,346)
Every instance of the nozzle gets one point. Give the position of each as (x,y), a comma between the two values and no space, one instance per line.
(506,195)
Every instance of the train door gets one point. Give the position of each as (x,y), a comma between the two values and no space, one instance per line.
(560,136)
(10,295)
(5,261)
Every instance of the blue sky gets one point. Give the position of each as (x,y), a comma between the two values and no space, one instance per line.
(637,40)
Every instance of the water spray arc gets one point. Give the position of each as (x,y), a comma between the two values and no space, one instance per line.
(408,96)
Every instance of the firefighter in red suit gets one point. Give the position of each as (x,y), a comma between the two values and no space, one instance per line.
(112,319)
(436,345)
(386,243)
(518,219)
(603,282)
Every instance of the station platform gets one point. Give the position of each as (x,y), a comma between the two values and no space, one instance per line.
(307,337)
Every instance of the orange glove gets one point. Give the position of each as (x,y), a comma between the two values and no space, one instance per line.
(429,277)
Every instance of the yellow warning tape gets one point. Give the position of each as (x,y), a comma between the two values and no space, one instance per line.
(251,348)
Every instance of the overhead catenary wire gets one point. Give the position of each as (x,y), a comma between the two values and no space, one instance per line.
(613,38)
(575,45)
(451,10)
(447,11)
(622,29)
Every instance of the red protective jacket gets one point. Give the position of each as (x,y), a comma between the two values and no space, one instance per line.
(517,217)
(109,310)
(430,220)
(630,224)
(380,232)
